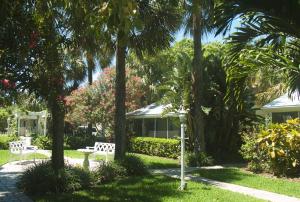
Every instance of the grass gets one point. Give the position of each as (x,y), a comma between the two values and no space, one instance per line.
(150,161)
(6,156)
(148,188)
(239,177)
(158,162)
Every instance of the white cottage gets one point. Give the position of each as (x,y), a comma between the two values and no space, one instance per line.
(282,108)
(153,121)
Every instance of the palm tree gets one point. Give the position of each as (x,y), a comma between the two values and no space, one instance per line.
(138,26)
(197,23)
(267,23)
(89,37)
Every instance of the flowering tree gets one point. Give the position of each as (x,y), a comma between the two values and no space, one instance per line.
(96,103)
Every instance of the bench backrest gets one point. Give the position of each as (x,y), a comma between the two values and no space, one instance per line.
(17,146)
(102,147)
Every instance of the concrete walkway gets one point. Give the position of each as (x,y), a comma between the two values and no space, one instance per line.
(269,196)
(9,174)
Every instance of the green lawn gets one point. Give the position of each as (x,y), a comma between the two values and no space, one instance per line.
(6,156)
(240,177)
(150,161)
(151,189)
(158,162)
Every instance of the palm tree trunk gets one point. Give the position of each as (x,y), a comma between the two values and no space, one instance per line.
(91,67)
(197,82)
(58,114)
(120,94)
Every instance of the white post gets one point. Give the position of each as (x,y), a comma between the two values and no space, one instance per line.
(19,121)
(155,127)
(167,128)
(45,124)
(182,125)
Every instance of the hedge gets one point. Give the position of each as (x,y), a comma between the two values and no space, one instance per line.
(163,147)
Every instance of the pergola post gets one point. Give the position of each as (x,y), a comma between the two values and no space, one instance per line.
(167,128)
(154,127)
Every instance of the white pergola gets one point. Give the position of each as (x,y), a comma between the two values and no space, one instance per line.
(40,117)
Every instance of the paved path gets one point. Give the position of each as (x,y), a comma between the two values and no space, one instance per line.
(269,196)
(9,174)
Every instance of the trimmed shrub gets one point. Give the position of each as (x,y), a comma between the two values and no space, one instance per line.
(42,141)
(41,179)
(5,139)
(134,165)
(108,172)
(163,147)
(201,160)
(277,148)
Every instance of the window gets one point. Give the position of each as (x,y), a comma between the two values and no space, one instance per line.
(281,117)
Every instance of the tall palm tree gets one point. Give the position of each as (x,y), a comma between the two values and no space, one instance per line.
(138,26)
(197,23)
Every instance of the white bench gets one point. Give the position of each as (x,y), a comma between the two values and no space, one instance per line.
(103,148)
(20,147)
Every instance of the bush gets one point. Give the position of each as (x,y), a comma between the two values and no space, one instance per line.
(134,165)
(169,148)
(277,148)
(256,158)
(201,160)
(5,139)
(42,141)
(108,172)
(41,179)
(79,141)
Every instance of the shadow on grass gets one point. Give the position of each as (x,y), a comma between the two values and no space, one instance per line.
(151,188)
(224,175)
(157,165)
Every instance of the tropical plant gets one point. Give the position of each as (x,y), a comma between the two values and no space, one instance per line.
(275,148)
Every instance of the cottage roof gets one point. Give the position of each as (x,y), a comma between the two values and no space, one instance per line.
(284,101)
(152,111)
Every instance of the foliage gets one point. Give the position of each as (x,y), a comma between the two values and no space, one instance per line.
(201,160)
(134,165)
(79,141)
(42,141)
(224,120)
(265,24)
(96,103)
(41,179)
(256,158)
(109,172)
(3,119)
(278,147)
(5,139)
(169,148)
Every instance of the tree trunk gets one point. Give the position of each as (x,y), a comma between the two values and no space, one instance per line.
(91,67)
(120,94)
(58,114)
(197,82)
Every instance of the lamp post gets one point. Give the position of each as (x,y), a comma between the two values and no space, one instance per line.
(182,117)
